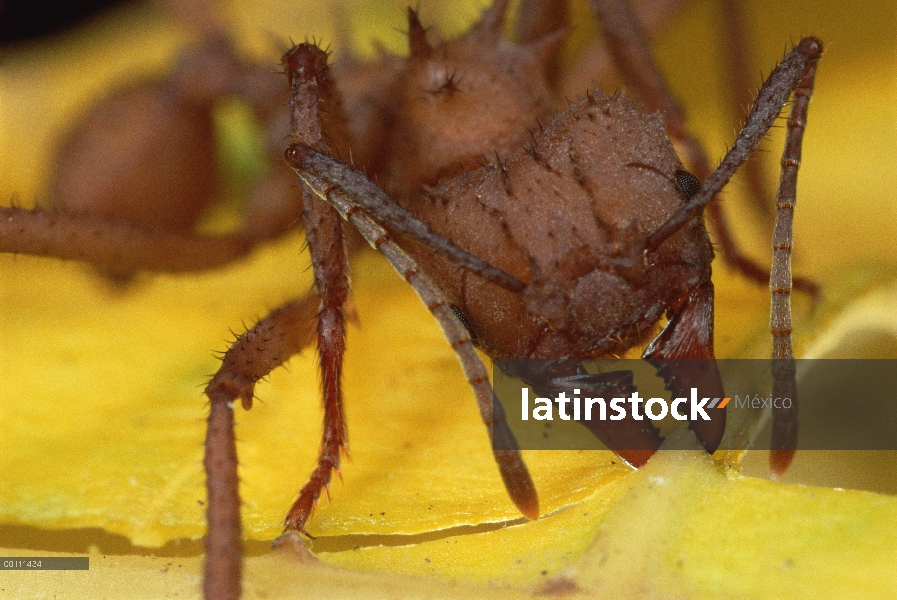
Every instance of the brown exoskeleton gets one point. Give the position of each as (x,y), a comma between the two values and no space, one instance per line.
(569,242)
(590,228)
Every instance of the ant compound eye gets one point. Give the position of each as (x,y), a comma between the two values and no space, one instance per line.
(688,182)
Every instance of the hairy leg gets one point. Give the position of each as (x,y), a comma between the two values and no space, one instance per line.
(315,105)
(114,245)
(270,343)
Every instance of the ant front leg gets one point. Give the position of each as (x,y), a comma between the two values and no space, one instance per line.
(510,463)
(280,335)
(360,202)
(316,115)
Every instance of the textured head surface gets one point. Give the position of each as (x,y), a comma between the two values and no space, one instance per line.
(465,135)
(568,214)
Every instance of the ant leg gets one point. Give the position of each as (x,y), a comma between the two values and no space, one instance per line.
(365,195)
(741,88)
(350,192)
(114,246)
(270,343)
(772,97)
(631,53)
(784,425)
(315,105)
(223,572)
(326,243)
(119,247)
(794,75)
(510,463)
(595,66)
(536,20)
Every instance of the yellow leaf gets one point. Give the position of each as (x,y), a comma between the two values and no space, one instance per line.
(103,416)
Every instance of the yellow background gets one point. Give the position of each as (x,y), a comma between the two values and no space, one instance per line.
(100,393)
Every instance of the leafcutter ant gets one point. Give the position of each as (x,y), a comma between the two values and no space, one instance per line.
(533,234)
